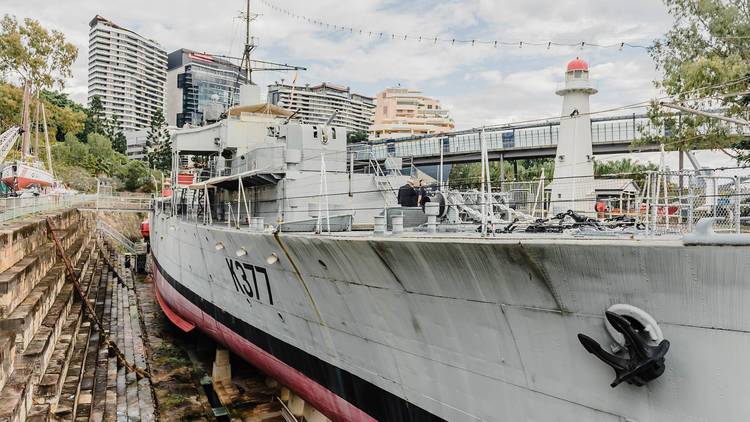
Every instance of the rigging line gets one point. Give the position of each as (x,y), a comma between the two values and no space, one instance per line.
(476,179)
(435,39)
(639,104)
(235,27)
(469,203)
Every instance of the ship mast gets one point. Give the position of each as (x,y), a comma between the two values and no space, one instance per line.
(249,44)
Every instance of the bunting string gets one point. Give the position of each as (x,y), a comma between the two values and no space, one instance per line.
(385,35)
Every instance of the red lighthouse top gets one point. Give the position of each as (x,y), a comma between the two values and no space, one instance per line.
(577,64)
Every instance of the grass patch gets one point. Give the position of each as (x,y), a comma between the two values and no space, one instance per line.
(173,400)
(171,356)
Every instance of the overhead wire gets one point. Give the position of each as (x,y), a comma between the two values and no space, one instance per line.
(495,43)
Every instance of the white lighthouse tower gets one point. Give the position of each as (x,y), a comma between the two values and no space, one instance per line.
(573,185)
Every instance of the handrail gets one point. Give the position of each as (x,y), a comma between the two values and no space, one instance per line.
(116,236)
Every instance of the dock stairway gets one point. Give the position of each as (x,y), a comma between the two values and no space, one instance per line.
(56,363)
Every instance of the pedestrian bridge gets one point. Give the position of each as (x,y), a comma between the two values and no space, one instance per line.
(16,207)
(609,135)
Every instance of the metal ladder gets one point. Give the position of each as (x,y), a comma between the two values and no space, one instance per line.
(383,183)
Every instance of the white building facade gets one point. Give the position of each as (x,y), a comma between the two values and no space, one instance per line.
(127,72)
(317,103)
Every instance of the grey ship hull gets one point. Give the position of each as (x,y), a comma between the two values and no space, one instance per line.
(446,328)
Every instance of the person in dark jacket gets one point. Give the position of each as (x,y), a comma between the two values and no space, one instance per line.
(423,198)
(407,195)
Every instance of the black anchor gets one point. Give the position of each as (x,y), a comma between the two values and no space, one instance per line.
(644,362)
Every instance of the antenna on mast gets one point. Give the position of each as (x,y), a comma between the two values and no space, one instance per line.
(248,66)
(249,43)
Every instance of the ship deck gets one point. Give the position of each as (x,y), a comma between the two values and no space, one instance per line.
(673,239)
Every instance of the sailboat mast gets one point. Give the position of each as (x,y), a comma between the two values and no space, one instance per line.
(46,141)
(26,143)
(35,150)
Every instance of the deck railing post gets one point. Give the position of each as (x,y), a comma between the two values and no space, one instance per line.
(737,210)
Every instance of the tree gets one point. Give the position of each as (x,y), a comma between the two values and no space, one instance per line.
(95,119)
(158,143)
(39,57)
(114,132)
(705,58)
(63,116)
(624,168)
(356,136)
(135,174)
(470,175)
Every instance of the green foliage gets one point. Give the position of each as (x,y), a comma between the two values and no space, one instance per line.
(114,132)
(356,136)
(470,175)
(135,174)
(96,158)
(706,53)
(63,115)
(37,56)
(75,177)
(625,168)
(158,147)
(95,119)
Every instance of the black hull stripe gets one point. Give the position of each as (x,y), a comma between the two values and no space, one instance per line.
(373,400)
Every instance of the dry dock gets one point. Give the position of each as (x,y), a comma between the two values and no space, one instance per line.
(113,356)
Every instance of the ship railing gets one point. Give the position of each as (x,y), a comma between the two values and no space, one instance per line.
(16,207)
(272,156)
(676,201)
(658,202)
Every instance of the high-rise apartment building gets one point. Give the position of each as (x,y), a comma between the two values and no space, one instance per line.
(403,112)
(317,103)
(127,72)
(196,82)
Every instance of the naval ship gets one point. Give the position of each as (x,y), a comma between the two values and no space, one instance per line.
(291,250)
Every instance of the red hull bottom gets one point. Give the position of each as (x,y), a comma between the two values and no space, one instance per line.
(189,315)
(24,182)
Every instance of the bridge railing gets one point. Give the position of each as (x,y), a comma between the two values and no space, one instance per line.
(15,207)
(122,202)
(603,130)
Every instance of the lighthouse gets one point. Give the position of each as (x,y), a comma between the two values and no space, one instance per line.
(573,184)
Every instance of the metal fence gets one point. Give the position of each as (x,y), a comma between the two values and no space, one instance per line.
(15,207)
(677,201)
(659,202)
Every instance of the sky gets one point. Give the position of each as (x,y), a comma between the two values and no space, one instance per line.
(479,85)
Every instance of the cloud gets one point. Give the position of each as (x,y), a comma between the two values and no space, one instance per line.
(480,84)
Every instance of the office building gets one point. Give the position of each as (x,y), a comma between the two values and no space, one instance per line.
(196,82)
(317,103)
(127,72)
(403,112)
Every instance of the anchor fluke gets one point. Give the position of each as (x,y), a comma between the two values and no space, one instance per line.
(640,362)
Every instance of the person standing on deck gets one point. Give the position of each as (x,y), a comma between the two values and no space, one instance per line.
(407,195)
